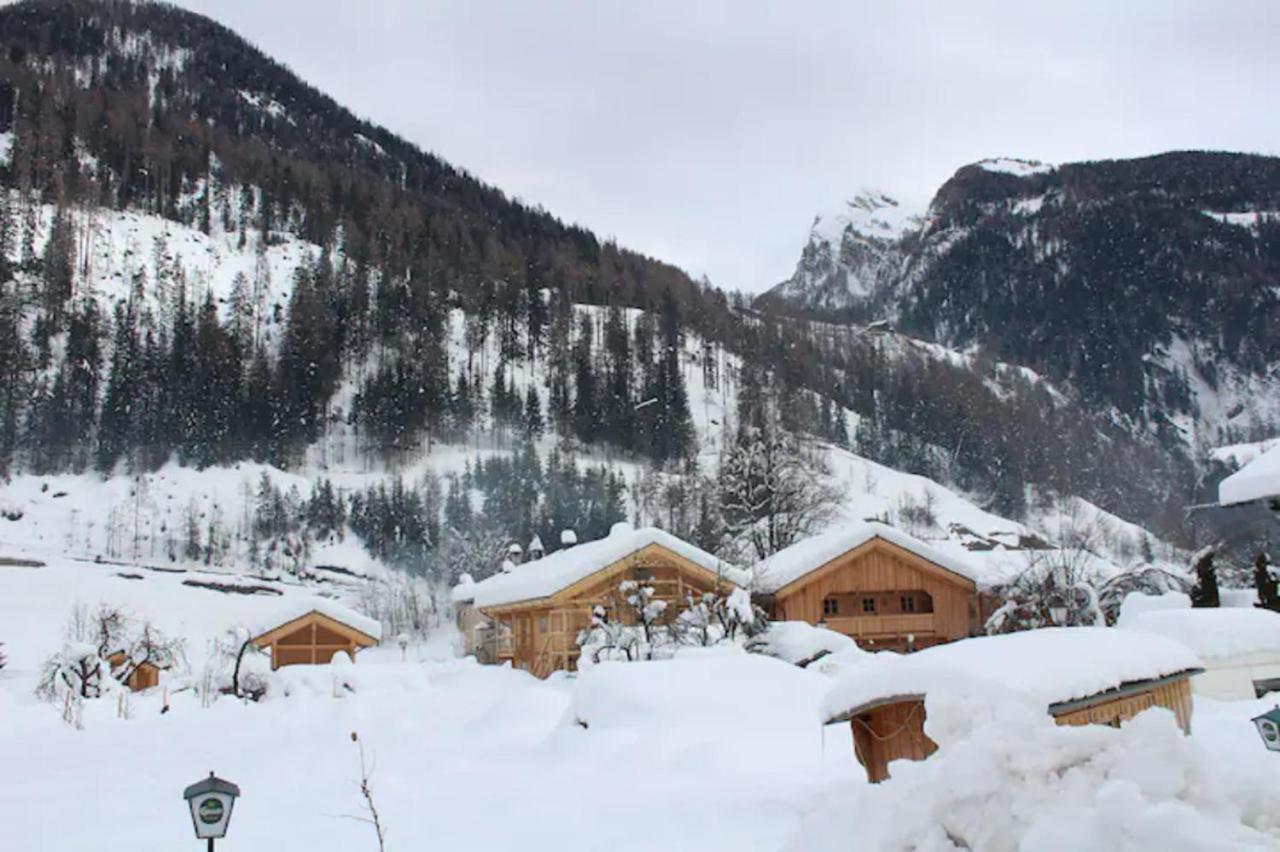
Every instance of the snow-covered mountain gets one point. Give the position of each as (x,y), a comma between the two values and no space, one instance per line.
(853,253)
(1145,289)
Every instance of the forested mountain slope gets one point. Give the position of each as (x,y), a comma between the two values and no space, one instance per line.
(205,262)
(1150,285)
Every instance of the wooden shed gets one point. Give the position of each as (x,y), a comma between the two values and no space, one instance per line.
(876,584)
(145,676)
(536,610)
(1080,676)
(312,633)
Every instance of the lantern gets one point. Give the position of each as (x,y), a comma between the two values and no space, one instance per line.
(1269,728)
(211,801)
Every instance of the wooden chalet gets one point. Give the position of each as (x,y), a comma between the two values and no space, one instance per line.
(881,587)
(1079,675)
(536,610)
(312,632)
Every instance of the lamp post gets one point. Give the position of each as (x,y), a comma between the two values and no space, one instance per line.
(211,801)
(1269,728)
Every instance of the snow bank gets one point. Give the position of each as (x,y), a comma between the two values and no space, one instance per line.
(1136,603)
(1012,780)
(791,563)
(1035,667)
(717,688)
(1212,633)
(550,574)
(1257,480)
(298,608)
(798,641)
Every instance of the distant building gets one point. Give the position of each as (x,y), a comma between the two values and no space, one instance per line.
(144,676)
(535,611)
(876,584)
(311,632)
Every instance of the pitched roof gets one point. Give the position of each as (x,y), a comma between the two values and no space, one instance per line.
(544,577)
(1257,480)
(790,564)
(1043,667)
(1213,633)
(294,610)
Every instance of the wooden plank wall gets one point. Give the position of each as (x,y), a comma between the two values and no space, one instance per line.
(890,732)
(877,569)
(1175,696)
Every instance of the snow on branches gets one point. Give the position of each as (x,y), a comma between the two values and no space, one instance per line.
(637,625)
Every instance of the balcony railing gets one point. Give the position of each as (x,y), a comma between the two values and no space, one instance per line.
(875,626)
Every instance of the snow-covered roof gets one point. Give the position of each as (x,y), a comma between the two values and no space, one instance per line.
(1257,480)
(554,572)
(790,564)
(1041,667)
(298,608)
(1212,633)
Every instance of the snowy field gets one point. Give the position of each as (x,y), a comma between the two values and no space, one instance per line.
(718,750)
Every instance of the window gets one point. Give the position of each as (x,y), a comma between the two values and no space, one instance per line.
(908,603)
(830,606)
(868,604)
(542,625)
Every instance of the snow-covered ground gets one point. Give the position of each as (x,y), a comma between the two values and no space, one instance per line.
(715,750)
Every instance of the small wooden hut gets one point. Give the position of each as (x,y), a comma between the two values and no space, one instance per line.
(876,584)
(536,610)
(313,631)
(1079,675)
(144,676)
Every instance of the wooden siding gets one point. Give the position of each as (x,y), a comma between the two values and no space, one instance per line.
(143,677)
(1174,695)
(544,636)
(886,573)
(895,730)
(890,732)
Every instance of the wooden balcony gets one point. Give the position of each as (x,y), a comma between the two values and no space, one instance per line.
(884,626)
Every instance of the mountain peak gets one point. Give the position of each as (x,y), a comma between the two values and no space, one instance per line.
(870,213)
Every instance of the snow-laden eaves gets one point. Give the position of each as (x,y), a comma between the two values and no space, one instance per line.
(1214,633)
(1257,480)
(1038,667)
(298,608)
(544,577)
(790,564)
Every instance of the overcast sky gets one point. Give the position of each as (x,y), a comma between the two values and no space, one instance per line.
(709,133)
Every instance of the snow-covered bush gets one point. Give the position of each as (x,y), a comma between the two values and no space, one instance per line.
(236,667)
(711,619)
(76,671)
(637,625)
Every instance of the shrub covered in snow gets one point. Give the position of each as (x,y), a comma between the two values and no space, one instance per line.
(636,625)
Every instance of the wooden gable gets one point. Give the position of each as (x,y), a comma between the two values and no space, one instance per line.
(298,631)
(895,569)
(605,580)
